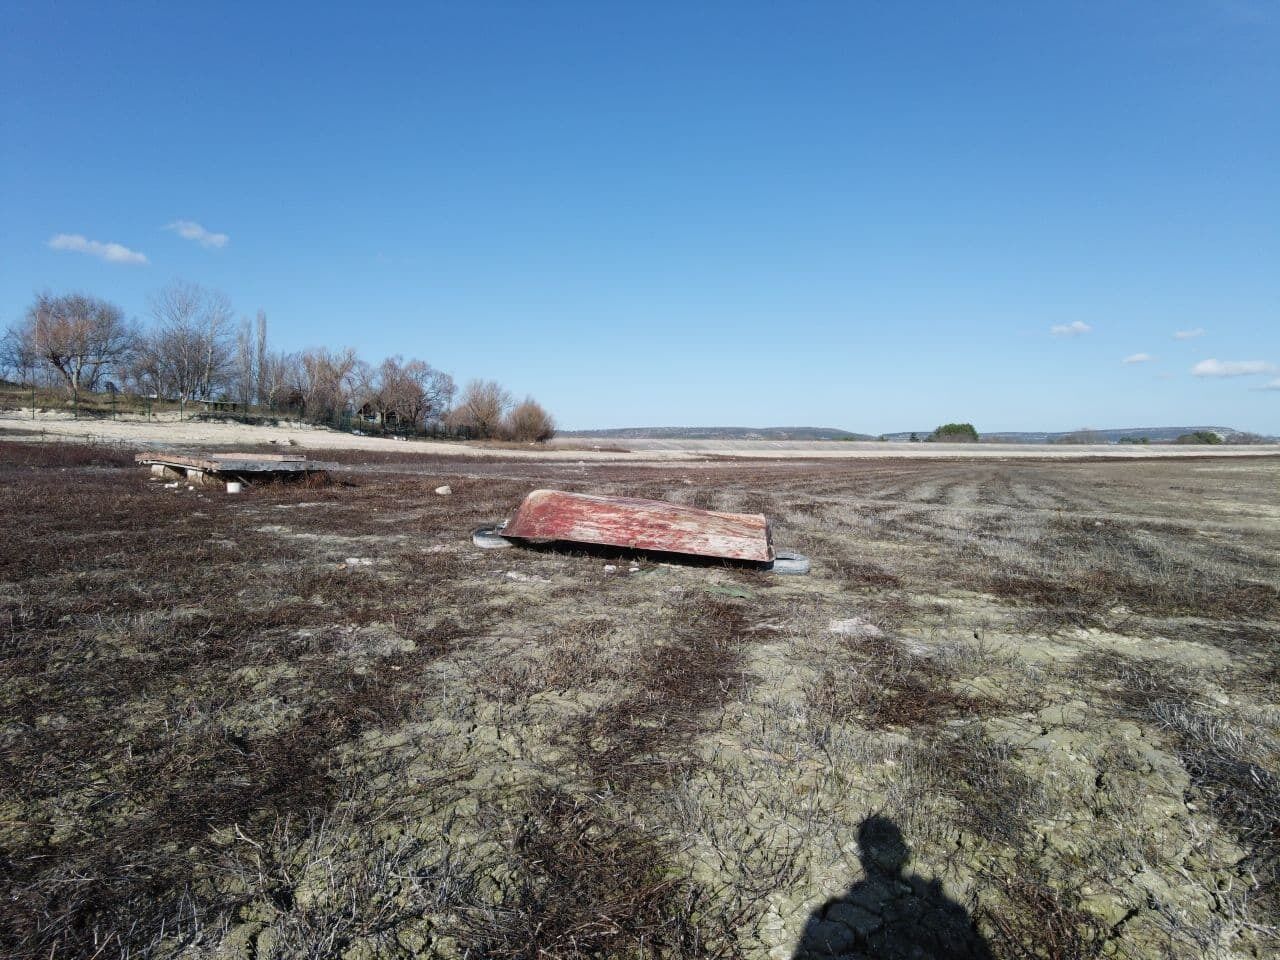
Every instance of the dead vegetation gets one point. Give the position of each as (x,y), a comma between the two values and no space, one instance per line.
(315,722)
(674,684)
(876,683)
(587,883)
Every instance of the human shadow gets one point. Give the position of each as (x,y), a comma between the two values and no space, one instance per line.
(890,914)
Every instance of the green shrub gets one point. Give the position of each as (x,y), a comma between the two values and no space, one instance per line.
(955,433)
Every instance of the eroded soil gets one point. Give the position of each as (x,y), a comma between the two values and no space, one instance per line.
(318,722)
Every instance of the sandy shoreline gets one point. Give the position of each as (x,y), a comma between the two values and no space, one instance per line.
(167,430)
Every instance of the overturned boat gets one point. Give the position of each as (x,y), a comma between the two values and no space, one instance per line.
(650,526)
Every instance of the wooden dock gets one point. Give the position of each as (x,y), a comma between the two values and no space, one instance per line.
(232,465)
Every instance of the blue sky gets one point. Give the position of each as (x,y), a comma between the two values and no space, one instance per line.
(871,216)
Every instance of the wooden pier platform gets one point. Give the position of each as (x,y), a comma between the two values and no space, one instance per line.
(223,465)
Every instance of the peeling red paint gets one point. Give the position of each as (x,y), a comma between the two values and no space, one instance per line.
(641,525)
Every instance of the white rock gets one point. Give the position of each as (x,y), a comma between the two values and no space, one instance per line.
(855,627)
(358,562)
(519,577)
(445,490)
(610,568)
(915,647)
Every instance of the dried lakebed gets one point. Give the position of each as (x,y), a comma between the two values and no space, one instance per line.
(317,722)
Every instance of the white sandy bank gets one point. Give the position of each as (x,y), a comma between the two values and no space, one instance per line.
(168,430)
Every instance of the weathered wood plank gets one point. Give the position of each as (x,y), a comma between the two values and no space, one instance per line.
(236,462)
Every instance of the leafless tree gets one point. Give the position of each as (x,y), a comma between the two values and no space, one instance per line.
(370,393)
(78,336)
(244,375)
(529,421)
(327,382)
(18,355)
(420,393)
(281,380)
(481,408)
(261,359)
(189,352)
(405,393)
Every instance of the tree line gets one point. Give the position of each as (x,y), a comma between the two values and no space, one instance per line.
(194,349)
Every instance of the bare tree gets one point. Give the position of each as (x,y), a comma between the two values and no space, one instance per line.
(18,355)
(217,319)
(420,393)
(328,382)
(282,381)
(481,408)
(189,351)
(244,377)
(529,421)
(403,393)
(78,336)
(370,391)
(261,359)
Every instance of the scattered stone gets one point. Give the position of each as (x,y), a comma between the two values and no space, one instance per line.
(855,627)
(610,568)
(358,562)
(917,648)
(519,577)
(445,490)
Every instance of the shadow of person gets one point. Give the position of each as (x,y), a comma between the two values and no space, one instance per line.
(890,914)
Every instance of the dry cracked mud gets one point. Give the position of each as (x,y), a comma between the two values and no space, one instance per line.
(314,722)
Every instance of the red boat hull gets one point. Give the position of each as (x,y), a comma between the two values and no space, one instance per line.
(641,525)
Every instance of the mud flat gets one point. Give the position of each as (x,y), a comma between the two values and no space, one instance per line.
(1018,709)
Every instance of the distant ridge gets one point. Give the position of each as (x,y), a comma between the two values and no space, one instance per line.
(718,433)
(1106,435)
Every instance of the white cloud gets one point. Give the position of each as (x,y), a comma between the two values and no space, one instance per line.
(110,252)
(1273,385)
(190,230)
(1138,358)
(1188,334)
(1072,329)
(1232,368)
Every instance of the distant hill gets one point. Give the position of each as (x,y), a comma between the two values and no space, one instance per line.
(718,433)
(1107,435)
